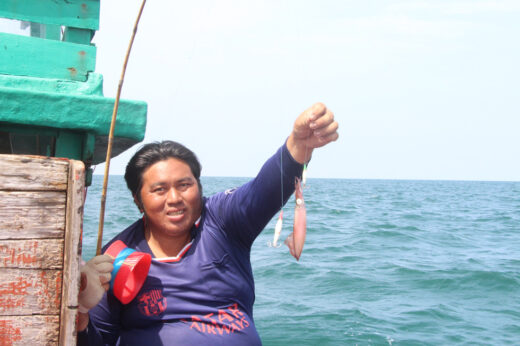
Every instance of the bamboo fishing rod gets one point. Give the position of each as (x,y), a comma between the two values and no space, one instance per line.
(111,135)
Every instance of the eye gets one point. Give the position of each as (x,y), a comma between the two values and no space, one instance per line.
(184,186)
(158,190)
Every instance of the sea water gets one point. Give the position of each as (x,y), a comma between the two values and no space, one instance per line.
(386,262)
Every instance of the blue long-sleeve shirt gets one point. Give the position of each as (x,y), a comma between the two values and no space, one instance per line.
(205,295)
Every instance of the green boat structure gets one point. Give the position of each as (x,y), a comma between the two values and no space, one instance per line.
(54,126)
(51,100)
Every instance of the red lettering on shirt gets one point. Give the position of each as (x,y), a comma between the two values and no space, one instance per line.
(223,328)
(152,303)
(241,324)
(234,327)
(235,311)
(195,323)
(224,316)
(246,322)
(230,320)
(211,329)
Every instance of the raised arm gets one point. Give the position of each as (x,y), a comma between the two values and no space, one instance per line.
(246,211)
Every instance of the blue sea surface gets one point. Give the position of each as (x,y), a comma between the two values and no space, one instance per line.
(386,262)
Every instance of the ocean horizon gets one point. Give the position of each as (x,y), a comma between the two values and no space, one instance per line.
(101,176)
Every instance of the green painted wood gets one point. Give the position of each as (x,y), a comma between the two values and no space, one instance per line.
(49,93)
(36,30)
(30,56)
(69,144)
(74,13)
(53,32)
(75,35)
(48,31)
(44,131)
(88,113)
(89,143)
(92,86)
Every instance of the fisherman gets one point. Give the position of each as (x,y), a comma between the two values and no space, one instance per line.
(200,287)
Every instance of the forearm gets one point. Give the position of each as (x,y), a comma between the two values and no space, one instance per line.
(271,188)
(246,211)
(298,150)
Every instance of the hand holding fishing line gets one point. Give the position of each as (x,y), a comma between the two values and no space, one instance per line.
(314,128)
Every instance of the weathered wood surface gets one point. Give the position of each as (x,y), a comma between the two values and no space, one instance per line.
(33,173)
(32,214)
(41,215)
(31,253)
(30,291)
(72,253)
(29,330)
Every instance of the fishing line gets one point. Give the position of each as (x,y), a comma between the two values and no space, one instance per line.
(304,172)
(281,180)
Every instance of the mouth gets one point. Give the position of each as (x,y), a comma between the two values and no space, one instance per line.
(175,213)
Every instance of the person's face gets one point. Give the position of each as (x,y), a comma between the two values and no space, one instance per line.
(170,197)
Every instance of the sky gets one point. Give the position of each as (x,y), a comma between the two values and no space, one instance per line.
(422,89)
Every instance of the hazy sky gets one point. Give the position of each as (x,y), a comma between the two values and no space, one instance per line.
(421,89)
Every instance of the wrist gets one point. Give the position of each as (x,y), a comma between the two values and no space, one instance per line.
(82,309)
(298,150)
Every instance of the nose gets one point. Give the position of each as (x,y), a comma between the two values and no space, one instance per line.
(173,196)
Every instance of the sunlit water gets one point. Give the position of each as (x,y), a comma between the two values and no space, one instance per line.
(385,262)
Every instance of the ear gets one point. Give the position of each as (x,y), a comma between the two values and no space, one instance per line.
(138,204)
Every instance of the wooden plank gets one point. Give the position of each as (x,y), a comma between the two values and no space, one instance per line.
(32,253)
(53,32)
(33,173)
(36,57)
(75,35)
(30,291)
(72,253)
(76,13)
(29,330)
(32,214)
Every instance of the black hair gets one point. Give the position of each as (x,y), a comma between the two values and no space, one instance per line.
(152,153)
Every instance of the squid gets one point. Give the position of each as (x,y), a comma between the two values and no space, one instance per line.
(277,231)
(296,239)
